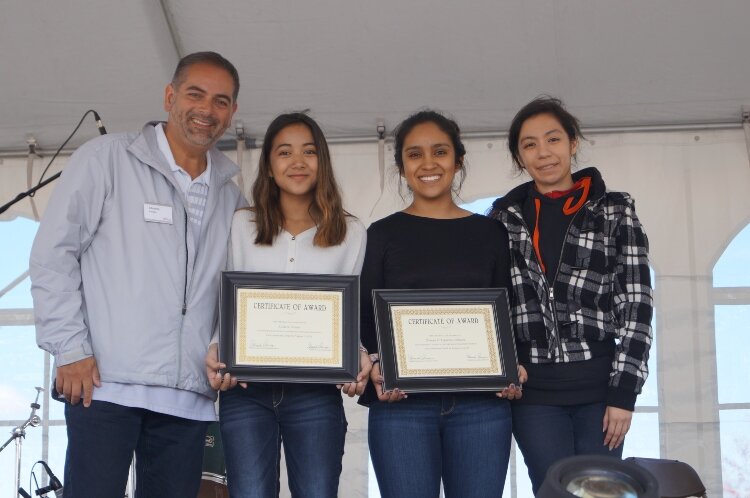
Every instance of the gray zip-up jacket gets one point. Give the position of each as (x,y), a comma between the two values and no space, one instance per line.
(130,292)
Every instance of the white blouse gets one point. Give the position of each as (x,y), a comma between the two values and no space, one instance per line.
(295,254)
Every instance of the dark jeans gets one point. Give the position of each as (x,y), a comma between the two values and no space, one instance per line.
(308,418)
(546,434)
(101,442)
(463,438)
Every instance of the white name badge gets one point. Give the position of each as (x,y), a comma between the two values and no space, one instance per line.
(157,213)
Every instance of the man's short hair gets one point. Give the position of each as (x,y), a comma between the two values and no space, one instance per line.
(211,58)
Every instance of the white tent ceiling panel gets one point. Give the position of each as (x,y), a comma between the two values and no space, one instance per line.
(67,57)
(353,62)
(615,63)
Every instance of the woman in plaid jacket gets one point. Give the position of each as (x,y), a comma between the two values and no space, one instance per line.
(582,297)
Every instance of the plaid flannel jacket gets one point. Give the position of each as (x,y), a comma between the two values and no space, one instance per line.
(602,288)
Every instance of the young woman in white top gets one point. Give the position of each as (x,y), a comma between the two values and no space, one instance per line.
(296,225)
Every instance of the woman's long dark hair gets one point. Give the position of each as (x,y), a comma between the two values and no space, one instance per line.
(326,209)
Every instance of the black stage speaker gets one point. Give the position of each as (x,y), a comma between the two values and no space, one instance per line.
(587,476)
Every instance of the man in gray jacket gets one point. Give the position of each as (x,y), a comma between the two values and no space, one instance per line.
(125,278)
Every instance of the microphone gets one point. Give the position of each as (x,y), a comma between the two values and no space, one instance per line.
(99,124)
(54,483)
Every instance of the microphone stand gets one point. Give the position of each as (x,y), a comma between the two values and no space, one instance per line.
(19,433)
(30,192)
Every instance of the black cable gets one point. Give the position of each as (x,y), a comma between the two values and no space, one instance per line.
(90,111)
(20,490)
(36,483)
(42,181)
(54,483)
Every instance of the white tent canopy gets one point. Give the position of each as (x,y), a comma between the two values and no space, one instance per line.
(354,63)
(660,84)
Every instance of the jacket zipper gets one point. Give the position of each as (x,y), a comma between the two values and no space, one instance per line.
(551,287)
(184,290)
(545,282)
(554,280)
(184,303)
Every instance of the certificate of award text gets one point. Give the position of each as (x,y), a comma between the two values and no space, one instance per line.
(446,340)
(288,327)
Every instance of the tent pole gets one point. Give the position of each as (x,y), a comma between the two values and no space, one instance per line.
(746,127)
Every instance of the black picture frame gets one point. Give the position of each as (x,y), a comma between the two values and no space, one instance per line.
(348,288)
(385,299)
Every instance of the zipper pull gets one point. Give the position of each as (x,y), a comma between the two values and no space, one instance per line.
(551,293)
(184,308)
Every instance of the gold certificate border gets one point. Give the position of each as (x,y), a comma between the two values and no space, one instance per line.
(242,298)
(453,310)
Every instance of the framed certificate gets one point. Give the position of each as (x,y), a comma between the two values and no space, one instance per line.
(289,327)
(445,339)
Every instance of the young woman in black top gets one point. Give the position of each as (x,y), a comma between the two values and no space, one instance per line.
(417,439)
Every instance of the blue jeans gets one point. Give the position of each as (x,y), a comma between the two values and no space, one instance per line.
(307,418)
(101,442)
(463,438)
(546,434)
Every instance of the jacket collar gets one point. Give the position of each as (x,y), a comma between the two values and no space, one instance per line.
(519,194)
(146,148)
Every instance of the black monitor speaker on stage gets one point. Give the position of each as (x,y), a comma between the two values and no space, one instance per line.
(676,479)
(587,476)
